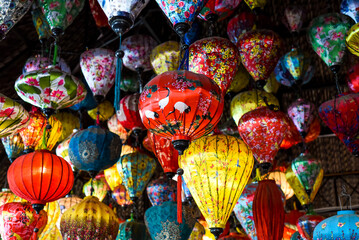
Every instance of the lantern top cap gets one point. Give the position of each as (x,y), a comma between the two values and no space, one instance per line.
(345,212)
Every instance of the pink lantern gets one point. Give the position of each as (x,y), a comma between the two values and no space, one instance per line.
(302,114)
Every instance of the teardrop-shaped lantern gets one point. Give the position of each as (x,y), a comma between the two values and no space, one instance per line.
(280,179)
(240,80)
(103,111)
(302,114)
(13,146)
(69,122)
(132,229)
(340,115)
(41,25)
(293,18)
(98,15)
(260,52)
(217,10)
(161,221)
(40,177)
(269,127)
(116,127)
(121,196)
(161,190)
(51,232)
(350,8)
(128,115)
(247,101)
(165,57)
(113,177)
(353,78)
(307,223)
(352,39)
(100,188)
(137,169)
(216,169)
(216,58)
(94,149)
(182,106)
(88,220)
(240,24)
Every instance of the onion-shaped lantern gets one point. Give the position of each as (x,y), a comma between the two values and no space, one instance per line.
(302,114)
(216,58)
(13,146)
(293,18)
(165,57)
(40,177)
(182,106)
(115,126)
(113,177)
(216,169)
(99,69)
(260,52)
(353,78)
(53,216)
(102,112)
(239,24)
(96,187)
(161,190)
(218,10)
(98,15)
(38,62)
(340,115)
(90,219)
(128,115)
(307,223)
(132,229)
(69,122)
(121,196)
(94,149)
(280,179)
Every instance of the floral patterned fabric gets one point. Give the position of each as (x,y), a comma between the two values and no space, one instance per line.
(113,177)
(13,146)
(307,223)
(38,62)
(198,232)
(69,122)
(352,39)
(51,232)
(99,186)
(11,11)
(41,25)
(165,57)
(240,80)
(263,130)
(62,150)
(327,36)
(128,115)
(240,24)
(252,4)
(161,190)
(216,170)
(221,8)
(350,8)
(132,229)
(216,58)
(89,101)
(302,114)
(260,52)
(121,196)
(293,18)
(115,126)
(99,69)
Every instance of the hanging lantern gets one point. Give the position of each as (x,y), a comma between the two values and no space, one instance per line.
(99,69)
(121,196)
(88,102)
(302,114)
(240,80)
(272,85)
(352,39)
(132,229)
(193,34)
(353,78)
(268,211)
(94,149)
(113,177)
(13,146)
(208,235)
(250,100)
(53,215)
(161,190)
(226,164)
(33,173)
(52,135)
(215,57)
(6,196)
(296,236)
(65,204)
(256,5)
(50,89)
(88,220)
(307,223)
(161,221)
(20,221)
(181,13)
(243,210)
(194,110)
(260,52)
(115,126)
(280,180)
(99,189)
(270,128)
(165,153)
(98,15)
(240,24)
(137,169)
(340,115)
(61,14)
(294,68)
(42,27)
(62,150)
(197,232)
(129,81)
(105,110)
(13,117)
(218,10)
(39,62)
(344,225)
(165,57)
(69,122)
(11,13)
(128,115)
(186,194)
(327,36)
(290,223)
(350,8)
(293,18)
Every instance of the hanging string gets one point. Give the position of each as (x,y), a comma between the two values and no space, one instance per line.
(54,61)
(91,189)
(337,83)
(185,55)
(139,78)
(119,56)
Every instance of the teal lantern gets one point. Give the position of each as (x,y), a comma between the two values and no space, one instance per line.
(161,222)
(132,229)
(161,190)
(94,149)
(13,146)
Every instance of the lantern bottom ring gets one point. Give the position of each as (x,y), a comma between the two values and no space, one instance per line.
(216,232)
(38,207)
(181,29)
(180,145)
(121,23)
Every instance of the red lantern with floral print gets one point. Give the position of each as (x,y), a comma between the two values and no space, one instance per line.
(128,115)
(307,223)
(182,106)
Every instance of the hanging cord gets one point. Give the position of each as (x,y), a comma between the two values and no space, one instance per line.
(345,194)
(91,189)
(119,56)
(98,117)
(139,78)
(179,195)
(54,61)
(336,77)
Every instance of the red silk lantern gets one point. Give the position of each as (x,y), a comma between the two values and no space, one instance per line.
(240,24)
(341,116)
(40,177)
(353,78)
(268,211)
(218,9)
(98,14)
(215,57)
(128,115)
(307,223)
(182,106)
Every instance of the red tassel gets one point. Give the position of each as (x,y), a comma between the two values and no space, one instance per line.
(179,198)
(98,119)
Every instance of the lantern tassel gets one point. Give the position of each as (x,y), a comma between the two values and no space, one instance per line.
(179,193)
(55,53)
(98,118)
(119,56)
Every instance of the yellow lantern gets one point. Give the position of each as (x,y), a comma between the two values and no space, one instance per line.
(89,220)
(352,39)
(272,85)
(113,177)
(116,127)
(165,57)
(65,204)
(52,135)
(6,196)
(51,232)
(105,110)
(240,80)
(280,179)
(197,232)
(69,123)
(216,170)
(100,188)
(250,100)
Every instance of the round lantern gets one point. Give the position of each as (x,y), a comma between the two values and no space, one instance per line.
(128,115)
(132,229)
(40,177)
(69,122)
(53,215)
(90,219)
(250,100)
(102,112)
(137,169)
(62,150)
(121,196)
(352,39)
(340,115)
(302,114)
(218,10)
(350,8)
(161,190)
(280,180)
(13,146)
(197,232)
(20,220)
(94,149)
(38,62)
(99,69)
(216,58)
(13,117)
(165,57)
(216,169)
(260,52)
(182,106)
(239,24)
(99,187)
(161,221)
(115,126)
(113,177)
(98,15)
(344,225)
(353,78)
(293,18)
(307,223)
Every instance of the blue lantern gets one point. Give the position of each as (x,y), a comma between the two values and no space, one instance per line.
(161,222)
(132,229)
(13,146)
(88,103)
(161,190)
(94,149)
(344,225)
